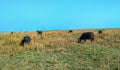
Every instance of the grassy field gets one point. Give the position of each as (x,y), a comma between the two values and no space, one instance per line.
(58,50)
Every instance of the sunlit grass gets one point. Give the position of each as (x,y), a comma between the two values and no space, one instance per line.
(58,50)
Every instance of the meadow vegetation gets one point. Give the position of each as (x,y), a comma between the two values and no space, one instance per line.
(58,50)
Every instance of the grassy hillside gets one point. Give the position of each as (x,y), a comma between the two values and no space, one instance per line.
(58,50)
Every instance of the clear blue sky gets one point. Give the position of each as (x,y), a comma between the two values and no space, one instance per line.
(30,15)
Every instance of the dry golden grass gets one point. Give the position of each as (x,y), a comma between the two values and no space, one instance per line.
(56,39)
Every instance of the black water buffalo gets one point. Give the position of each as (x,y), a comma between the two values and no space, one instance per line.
(39,32)
(25,40)
(100,32)
(85,36)
(11,32)
(70,31)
